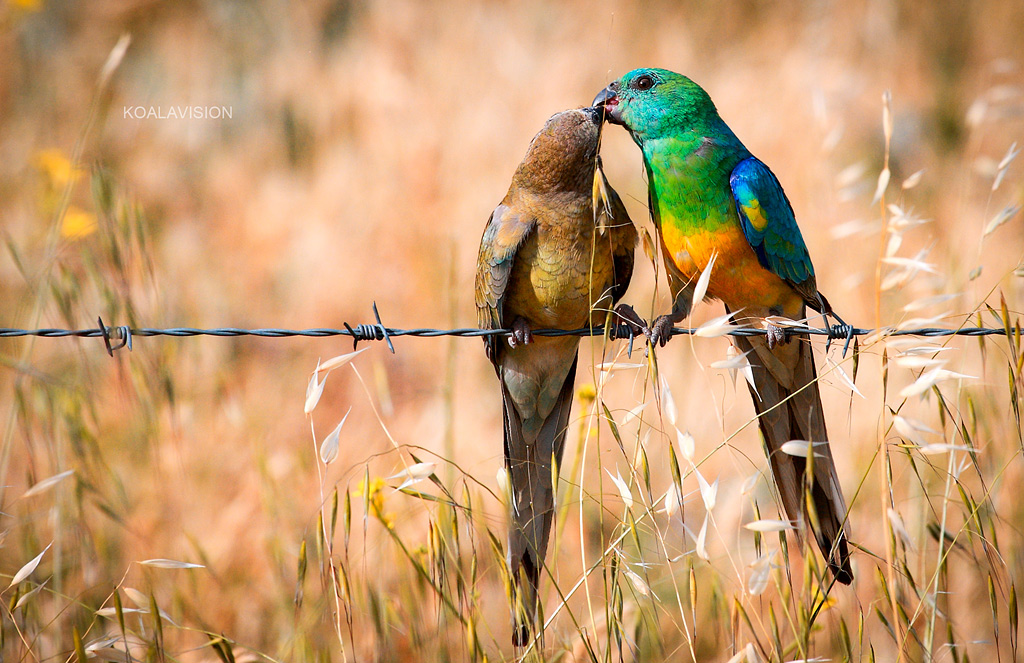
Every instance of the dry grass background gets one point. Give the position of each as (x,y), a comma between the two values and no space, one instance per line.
(368,143)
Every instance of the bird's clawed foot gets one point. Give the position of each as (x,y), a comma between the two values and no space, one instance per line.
(520,333)
(661,331)
(658,333)
(776,335)
(632,322)
(632,325)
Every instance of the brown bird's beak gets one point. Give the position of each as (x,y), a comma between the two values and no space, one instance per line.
(608,101)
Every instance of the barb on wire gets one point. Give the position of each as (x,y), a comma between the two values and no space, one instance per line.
(375,332)
(118,337)
(123,333)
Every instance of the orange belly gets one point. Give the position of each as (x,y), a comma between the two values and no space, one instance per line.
(738,279)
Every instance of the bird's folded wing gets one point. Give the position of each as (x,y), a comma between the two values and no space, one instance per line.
(768,222)
(505,233)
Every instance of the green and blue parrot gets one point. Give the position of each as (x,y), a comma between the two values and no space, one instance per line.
(709,195)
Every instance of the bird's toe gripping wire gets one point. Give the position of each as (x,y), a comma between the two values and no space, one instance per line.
(776,335)
(631,326)
(520,333)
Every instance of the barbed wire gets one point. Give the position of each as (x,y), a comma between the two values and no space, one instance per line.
(121,336)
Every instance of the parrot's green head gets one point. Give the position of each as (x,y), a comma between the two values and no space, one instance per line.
(656,103)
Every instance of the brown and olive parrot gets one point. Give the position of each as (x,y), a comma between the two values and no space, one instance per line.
(548,260)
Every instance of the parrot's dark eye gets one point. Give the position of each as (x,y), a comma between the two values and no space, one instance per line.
(644,82)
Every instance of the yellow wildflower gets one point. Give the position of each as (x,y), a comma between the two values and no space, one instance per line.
(77,223)
(375,500)
(586,393)
(58,168)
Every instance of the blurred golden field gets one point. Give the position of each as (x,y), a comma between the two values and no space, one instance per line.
(367,144)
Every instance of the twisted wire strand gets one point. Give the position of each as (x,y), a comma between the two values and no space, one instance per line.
(361,333)
(120,336)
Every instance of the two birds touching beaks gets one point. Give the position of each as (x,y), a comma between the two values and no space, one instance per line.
(549,260)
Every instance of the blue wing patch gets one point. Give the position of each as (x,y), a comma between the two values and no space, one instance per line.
(768,222)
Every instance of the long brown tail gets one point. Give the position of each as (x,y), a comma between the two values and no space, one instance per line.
(529,464)
(788,373)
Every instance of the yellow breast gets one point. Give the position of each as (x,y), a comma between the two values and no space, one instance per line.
(558,277)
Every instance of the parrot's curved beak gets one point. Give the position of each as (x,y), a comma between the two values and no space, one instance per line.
(608,100)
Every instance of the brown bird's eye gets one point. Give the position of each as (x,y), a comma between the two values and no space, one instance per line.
(644,82)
